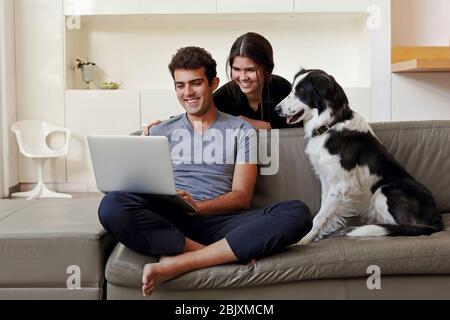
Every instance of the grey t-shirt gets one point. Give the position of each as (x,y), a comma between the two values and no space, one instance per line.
(203,164)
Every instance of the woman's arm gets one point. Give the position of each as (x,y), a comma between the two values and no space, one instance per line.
(257,124)
(146,128)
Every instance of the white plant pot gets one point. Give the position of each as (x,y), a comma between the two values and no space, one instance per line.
(87,74)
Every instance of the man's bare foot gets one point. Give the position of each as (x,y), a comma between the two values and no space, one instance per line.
(170,267)
(155,273)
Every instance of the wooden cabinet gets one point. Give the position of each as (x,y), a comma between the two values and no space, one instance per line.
(254,6)
(177,6)
(91,112)
(99,7)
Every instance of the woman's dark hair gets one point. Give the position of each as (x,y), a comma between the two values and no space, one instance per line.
(255,47)
(194,58)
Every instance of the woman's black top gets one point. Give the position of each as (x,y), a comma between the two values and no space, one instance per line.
(235,102)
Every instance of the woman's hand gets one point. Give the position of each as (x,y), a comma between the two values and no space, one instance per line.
(257,124)
(146,128)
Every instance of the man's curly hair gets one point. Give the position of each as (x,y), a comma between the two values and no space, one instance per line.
(194,58)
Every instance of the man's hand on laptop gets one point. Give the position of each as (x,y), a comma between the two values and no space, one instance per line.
(187,197)
(146,127)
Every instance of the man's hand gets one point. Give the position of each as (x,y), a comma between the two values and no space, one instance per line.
(187,197)
(146,128)
(240,196)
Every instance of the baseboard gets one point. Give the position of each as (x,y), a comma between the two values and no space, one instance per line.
(15,188)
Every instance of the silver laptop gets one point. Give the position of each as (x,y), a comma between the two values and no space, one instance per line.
(135,164)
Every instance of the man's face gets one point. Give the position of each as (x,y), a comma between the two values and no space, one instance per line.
(193,91)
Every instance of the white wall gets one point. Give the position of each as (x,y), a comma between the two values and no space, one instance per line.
(8,152)
(137,52)
(40,74)
(420,22)
(2,180)
(380,106)
(420,96)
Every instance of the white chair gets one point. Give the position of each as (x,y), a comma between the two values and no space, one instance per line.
(32,140)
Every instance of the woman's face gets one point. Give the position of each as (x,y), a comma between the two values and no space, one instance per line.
(247,75)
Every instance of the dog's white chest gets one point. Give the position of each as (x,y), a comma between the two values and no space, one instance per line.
(322,161)
(355,182)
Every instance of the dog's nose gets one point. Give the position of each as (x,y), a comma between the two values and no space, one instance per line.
(278,109)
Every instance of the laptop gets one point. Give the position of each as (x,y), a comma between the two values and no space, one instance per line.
(136,164)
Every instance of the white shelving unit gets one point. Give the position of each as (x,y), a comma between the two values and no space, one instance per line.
(118,7)
(132,42)
(331,6)
(177,6)
(98,7)
(90,112)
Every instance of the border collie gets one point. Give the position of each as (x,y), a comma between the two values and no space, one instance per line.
(358,176)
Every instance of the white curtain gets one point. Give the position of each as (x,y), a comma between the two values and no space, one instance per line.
(2,95)
(8,149)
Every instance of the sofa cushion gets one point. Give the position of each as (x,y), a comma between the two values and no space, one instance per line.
(422,147)
(40,239)
(325,259)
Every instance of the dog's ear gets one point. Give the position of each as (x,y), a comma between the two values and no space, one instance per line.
(323,88)
(300,72)
(339,99)
(323,85)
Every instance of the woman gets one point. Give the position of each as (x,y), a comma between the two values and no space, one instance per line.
(253,92)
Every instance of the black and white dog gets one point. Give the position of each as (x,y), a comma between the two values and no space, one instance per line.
(358,176)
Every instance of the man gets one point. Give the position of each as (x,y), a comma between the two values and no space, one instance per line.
(224,230)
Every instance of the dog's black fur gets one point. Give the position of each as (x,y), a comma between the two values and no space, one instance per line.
(349,137)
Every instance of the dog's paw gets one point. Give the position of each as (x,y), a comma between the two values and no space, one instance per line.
(307,239)
(303,242)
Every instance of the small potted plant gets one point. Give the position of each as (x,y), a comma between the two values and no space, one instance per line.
(86,70)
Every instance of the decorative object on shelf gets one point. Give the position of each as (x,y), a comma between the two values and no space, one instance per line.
(87,70)
(109,85)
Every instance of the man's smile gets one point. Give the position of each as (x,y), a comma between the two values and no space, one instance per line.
(191,102)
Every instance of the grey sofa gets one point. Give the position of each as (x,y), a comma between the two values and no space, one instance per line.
(46,244)
(44,237)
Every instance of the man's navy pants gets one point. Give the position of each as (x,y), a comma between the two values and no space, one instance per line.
(150,227)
